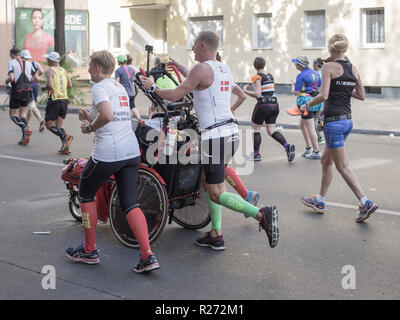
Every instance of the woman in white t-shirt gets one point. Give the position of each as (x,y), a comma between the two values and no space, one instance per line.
(116,152)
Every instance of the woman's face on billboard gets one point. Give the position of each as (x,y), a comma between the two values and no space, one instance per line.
(37,19)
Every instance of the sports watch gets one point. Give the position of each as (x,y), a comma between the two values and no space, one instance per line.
(153,88)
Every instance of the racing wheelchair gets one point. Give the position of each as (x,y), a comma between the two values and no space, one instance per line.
(166,190)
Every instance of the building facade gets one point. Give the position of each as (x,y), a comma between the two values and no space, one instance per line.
(90,25)
(275,30)
(281,30)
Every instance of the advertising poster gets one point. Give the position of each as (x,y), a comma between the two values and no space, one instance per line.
(35,32)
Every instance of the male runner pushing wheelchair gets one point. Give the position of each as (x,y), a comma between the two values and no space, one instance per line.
(212,84)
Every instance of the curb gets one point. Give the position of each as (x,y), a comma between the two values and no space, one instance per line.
(361,131)
(284,126)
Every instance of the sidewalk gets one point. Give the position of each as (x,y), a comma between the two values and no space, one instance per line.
(372,116)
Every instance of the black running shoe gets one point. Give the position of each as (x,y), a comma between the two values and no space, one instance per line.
(269,223)
(147,265)
(216,243)
(79,254)
(290,152)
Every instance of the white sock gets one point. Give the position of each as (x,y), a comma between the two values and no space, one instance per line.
(320,198)
(363,200)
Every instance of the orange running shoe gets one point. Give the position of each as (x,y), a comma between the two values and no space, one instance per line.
(296,111)
(66,142)
(26,136)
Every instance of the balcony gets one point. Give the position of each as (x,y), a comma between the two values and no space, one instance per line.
(145,4)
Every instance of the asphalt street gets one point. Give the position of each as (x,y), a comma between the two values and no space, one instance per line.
(307,263)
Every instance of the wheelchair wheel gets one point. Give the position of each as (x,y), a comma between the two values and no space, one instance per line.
(74,205)
(194,217)
(152,199)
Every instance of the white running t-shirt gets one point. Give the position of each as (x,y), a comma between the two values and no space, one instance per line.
(213,105)
(14,66)
(115,141)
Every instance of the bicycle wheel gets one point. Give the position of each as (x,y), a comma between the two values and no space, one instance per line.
(152,199)
(74,205)
(196,216)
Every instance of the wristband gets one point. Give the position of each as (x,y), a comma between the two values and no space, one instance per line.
(181,69)
(89,128)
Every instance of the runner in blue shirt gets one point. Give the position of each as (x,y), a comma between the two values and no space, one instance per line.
(306,87)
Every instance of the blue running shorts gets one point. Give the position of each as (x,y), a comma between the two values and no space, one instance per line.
(336,132)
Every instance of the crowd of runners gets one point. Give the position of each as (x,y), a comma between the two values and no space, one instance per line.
(323,95)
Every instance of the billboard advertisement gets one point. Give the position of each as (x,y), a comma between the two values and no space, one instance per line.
(35,32)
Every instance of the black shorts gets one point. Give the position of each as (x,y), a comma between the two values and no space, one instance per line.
(215,156)
(132,102)
(96,173)
(265,113)
(55,109)
(310,115)
(15,103)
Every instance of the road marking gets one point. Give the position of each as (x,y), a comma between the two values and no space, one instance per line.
(332,204)
(347,206)
(33,160)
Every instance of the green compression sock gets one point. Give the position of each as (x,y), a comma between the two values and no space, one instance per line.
(215,213)
(236,203)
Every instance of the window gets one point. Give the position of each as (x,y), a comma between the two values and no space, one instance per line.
(195,25)
(314,29)
(373,27)
(262,31)
(114,35)
(373,90)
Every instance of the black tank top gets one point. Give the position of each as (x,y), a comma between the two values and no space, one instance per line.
(340,92)
(267,84)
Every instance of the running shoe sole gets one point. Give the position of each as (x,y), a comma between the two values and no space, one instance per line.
(149,268)
(274,227)
(366,216)
(311,157)
(315,209)
(84,260)
(211,246)
(291,154)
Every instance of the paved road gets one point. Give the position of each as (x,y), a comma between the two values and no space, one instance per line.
(307,263)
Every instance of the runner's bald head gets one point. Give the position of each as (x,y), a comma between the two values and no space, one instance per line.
(210,38)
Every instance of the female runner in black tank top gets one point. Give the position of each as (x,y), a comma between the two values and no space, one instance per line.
(340,82)
(266,110)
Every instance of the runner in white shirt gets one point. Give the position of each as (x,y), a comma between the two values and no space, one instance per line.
(20,75)
(212,85)
(116,152)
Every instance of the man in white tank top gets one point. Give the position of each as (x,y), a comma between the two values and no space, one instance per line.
(212,84)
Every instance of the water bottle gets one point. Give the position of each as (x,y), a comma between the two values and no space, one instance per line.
(170,138)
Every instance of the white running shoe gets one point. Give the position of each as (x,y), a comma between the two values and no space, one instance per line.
(306,152)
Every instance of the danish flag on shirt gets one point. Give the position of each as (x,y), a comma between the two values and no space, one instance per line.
(224,85)
(123,101)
